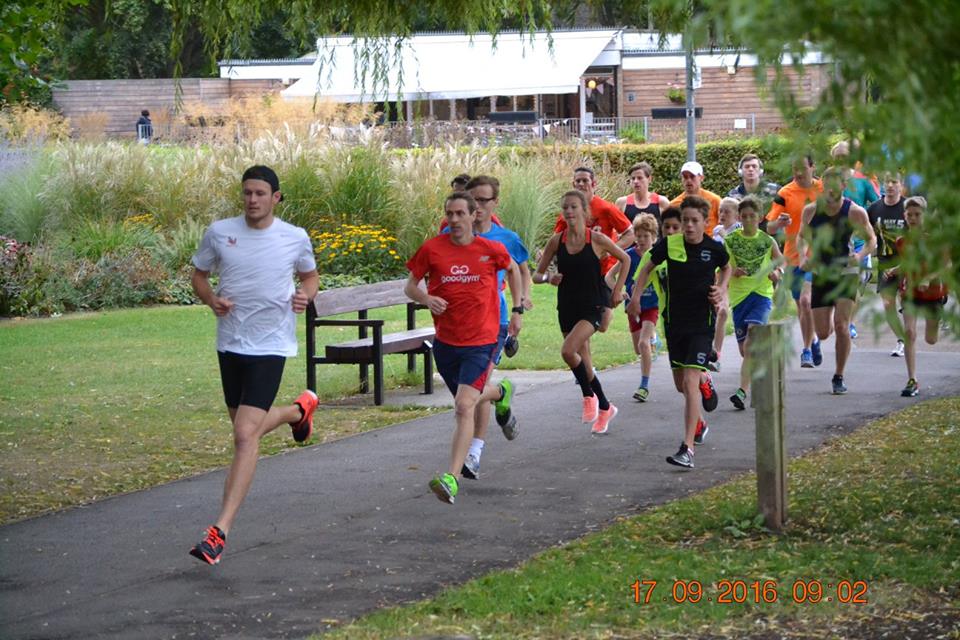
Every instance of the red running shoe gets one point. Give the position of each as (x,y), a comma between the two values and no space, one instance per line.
(307,402)
(708,394)
(210,548)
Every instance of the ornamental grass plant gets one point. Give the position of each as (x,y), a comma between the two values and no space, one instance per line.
(77,202)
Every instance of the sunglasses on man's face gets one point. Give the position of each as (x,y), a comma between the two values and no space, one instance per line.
(484,200)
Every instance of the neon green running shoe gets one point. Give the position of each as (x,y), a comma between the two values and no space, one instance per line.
(445,487)
(501,407)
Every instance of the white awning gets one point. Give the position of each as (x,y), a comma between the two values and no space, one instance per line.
(447,66)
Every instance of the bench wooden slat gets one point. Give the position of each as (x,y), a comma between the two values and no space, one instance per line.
(360,297)
(361,350)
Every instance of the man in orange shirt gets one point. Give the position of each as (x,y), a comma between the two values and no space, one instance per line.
(606,218)
(786,214)
(691,173)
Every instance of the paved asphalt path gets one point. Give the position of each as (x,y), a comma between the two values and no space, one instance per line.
(330,532)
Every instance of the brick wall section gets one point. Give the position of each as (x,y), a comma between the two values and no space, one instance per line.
(117,103)
(720,93)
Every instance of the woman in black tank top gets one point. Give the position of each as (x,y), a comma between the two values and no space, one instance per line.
(581,299)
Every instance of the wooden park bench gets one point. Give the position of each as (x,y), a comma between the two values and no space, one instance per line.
(367,349)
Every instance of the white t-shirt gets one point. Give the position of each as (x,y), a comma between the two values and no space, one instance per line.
(720,232)
(256,268)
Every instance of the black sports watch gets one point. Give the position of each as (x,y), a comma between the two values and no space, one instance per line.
(517,310)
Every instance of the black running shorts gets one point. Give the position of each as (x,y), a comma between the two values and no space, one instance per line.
(826,291)
(689,349)
(250,380)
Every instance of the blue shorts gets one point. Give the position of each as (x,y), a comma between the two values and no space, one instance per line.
(754,309)
(797,277)
(501,340)
(464,365)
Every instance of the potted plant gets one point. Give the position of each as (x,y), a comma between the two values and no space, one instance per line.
(676,95)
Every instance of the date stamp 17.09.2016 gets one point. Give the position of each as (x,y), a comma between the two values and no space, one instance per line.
(736,591)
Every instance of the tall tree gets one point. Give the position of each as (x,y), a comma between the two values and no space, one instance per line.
(26,38)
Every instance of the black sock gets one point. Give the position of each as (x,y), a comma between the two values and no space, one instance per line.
(580,373)
(597,389)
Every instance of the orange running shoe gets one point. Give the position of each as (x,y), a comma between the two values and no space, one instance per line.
(591,409)
(209,549)
(603,420)
(303,429)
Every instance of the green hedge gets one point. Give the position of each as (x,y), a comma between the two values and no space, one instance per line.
(719,160)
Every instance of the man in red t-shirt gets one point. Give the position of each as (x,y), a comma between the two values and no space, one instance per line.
(463,297)
(606,218)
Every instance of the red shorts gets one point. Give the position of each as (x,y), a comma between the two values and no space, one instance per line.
(646,315)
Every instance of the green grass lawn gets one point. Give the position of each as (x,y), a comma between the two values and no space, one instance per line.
(102,403)
(878,509)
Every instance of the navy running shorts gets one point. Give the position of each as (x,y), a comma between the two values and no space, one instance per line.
(464,365)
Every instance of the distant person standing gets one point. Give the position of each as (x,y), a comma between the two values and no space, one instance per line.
(144,128)
(256,257)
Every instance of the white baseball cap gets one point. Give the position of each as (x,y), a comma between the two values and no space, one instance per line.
(692,167)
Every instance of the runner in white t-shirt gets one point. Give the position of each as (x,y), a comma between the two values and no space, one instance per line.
(256,256)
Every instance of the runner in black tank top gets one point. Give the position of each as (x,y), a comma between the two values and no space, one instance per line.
(631,210)
(639,176)
(581,299)
(581,294)
(826,229)
(830,255)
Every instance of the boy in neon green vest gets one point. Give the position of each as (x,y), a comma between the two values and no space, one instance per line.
(756,261)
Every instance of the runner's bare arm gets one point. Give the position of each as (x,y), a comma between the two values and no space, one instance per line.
(606,244)
(804,231)
(643,277)
(527,279)
(549,251)
(307,291)
(201,286)
(413,291)
(861,222)
(515,281)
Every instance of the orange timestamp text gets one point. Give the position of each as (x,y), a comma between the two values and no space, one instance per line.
(737,591)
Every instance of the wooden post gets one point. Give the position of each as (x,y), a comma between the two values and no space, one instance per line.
(767,357)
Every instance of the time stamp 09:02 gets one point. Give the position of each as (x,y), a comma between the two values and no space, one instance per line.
(752,592)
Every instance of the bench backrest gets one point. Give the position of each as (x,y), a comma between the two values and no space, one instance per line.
(357,298)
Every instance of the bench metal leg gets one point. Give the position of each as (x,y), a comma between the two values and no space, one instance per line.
(411,362)
(377,366)
(364,372)
(311,348)
(427,372)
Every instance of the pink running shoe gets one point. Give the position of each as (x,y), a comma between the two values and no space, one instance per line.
(591,408)
(603,420)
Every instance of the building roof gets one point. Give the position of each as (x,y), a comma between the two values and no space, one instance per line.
(448,66)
